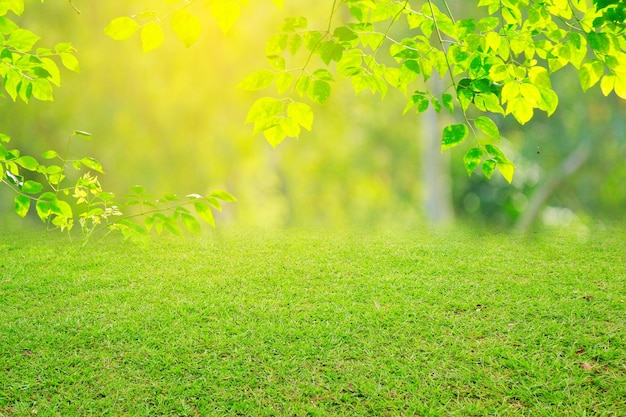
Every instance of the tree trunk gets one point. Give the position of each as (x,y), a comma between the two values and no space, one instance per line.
(435,166)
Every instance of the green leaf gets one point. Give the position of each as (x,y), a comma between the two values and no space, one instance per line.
(590,73)
(330,51)
(453,135)
(70,62)
(151,37)
(133,231)
(204,212)
(520,109)
(472,159)
(599,42)
(224,196)
(226,12)
(496,153)
(16,6)
(276,44)
(507,170)
(22,40)
(264,112)
(49,154)
(488,167)
(171,197)
(319,91)
(121,28)
(27,162)
(284,80)
(448,103)
(293,23)
(138,189)
(258,80)
(607,84)
(22,205)
(42,89)
(32,187)
(186,26)
(301,113)
(53,70)
(488,127)
(7,26)
(91,163)
(191,224)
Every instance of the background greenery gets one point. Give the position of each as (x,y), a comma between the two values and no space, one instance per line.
(173,119)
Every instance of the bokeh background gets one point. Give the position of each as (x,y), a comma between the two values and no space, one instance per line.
(173,121)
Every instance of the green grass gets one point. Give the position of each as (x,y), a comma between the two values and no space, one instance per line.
(316,323)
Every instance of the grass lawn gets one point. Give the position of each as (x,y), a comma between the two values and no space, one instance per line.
(319,323)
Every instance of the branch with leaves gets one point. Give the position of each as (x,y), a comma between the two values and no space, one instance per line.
(501,63)
(62,199)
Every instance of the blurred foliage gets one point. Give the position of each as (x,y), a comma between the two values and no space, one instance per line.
(172,120)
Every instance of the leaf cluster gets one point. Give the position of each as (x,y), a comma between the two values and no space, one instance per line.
(62,199)
(26,71)
(61,202)
(501,63)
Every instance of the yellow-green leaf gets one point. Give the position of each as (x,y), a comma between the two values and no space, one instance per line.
(488,127)
(453,135)
(121,28)
(507,170)
(258,80)
(22,205)
(590,73)
(607,84)
(151,37)
(70,62)
(301,113)
(186,26)
(472,159)
(226,12)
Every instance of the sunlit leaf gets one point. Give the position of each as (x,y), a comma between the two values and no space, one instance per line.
(448,103)
(224,196)
(49,154)
(319,92)
(507,170)
(191,224)
(472,159)
(284,80)
(186,26)
(301,113)
(590,73)
(488,127)
(121,28)
(22,205)
(151,37)
(32,187)
(27,162)
(453,135)
(91,163)
(488,167)
(42,89)
(226,12)
(22,40)
(70,62)
(258,80)
(204,212)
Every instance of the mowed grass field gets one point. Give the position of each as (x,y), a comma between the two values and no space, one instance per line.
(314,323)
